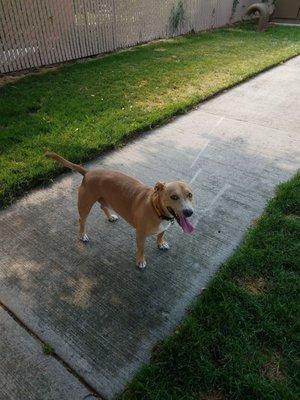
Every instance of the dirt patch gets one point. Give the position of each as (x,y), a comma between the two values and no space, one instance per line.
(253,285)
(271,370)
(142,83)
(255,221)
(14,77)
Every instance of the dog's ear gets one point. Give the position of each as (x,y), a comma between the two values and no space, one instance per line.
(160,186)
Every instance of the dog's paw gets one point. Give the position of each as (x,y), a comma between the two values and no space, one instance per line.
(84,238)
(141,264)
(163,246)
(113,218)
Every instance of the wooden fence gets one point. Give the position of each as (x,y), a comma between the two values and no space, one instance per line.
(35,33)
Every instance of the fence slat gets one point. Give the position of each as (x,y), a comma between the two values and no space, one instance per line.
(3,43)
(97,31)
(45,21)
(11,37)
(70,18)
(58,26)
(69,24)
(22,61)
(26,25)
(44,50)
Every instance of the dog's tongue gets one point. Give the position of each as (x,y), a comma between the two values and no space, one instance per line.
(186,226)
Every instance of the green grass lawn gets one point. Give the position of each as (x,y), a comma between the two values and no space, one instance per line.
(239,340)
(82,109)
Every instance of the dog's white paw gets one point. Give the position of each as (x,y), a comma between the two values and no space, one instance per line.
(141,265)
(113,218)
(84,238)
(164,246)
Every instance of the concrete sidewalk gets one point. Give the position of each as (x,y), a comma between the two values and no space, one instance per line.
(100,313)
(26,373)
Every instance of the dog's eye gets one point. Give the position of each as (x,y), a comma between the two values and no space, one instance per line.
(189,195)
(174,197)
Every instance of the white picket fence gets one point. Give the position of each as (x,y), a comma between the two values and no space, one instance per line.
(35,33)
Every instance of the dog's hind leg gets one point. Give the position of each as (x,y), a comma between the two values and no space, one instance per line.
(85,204)
(109,216)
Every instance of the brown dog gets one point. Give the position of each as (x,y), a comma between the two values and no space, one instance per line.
(149,210)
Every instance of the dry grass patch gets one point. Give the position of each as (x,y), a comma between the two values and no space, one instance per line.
(212,396)
(160,49)
(293,216)
(271,370)
(253,285)
(255,221)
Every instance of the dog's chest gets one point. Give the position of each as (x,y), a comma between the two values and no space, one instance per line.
(163,226)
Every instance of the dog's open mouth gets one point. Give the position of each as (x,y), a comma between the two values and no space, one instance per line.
(186,226)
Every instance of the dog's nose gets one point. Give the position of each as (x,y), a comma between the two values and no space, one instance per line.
(187,212)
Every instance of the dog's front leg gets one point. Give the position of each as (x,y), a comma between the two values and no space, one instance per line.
(161,243)
(140,244)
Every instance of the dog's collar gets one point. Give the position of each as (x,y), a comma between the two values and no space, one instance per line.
(158,208)
(164,217)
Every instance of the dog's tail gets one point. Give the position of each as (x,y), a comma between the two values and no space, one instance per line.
(66,163)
